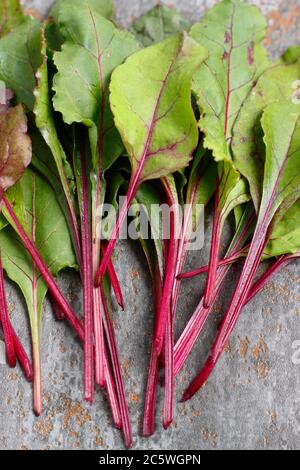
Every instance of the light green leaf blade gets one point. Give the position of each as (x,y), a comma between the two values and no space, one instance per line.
(20,57)
(36,207)
(44,119)
(233,190)
(281,184)
(285,235)
(233,32)
(94,47)
(11,15)
(148,199)
(275,84)
(102,7)
(201,185)
(150,99)
(159,23)
(54,166)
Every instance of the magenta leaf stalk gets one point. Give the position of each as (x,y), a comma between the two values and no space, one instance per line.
(168,412)
(22,357)
(112,397)
(237,302)
(132,189)
(152,382)
(110,335)
(225,262)
(87,286)
(214,251)
(47,276)
(195,325)
(59,315)
(99,339)
(6,325)
(113,279)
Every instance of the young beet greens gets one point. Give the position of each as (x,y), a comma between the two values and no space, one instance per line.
(90,112)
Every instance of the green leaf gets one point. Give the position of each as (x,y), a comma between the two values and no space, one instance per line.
(44,119)
(101,7)
(232,32)
(285,236)
(148,199)
(159,23)
(281,184)
(60,175)
(36,207)
(20,57)
(56,33)
(291,55)
(275,84)
(11,15)
(15,146)
(94,47)
(232,188)
(150,99)
(201,185)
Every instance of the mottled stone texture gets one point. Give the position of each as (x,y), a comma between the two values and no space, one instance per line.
(251,402)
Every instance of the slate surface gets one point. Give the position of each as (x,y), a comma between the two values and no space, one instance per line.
(251,402)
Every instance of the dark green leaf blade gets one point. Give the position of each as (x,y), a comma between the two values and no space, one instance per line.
(159,23)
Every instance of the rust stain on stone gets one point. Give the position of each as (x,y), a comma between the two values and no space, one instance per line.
(43,428)
(244,346)
(282,22)
(261,347)
(262,370)
(74,411)
(227,347)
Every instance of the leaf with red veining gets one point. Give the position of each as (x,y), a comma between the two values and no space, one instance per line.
(36,207)
(233,32)
(151,102)
(15,146)
(277,83)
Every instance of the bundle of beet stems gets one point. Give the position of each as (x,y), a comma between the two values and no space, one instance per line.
(166,114)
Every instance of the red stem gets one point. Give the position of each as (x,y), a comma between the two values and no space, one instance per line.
(132,188)
(112,397)
(126,426)
(237,302)
(56,309)
(151,390)
(194,327)
(113,279)
(160,326)
(99,339)
(168,413)
(53,287)
(6,325)
(231,259)
(270,272)
(22,356)
(87,287)
(214,251)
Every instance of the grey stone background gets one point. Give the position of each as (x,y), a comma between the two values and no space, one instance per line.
(252,401)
